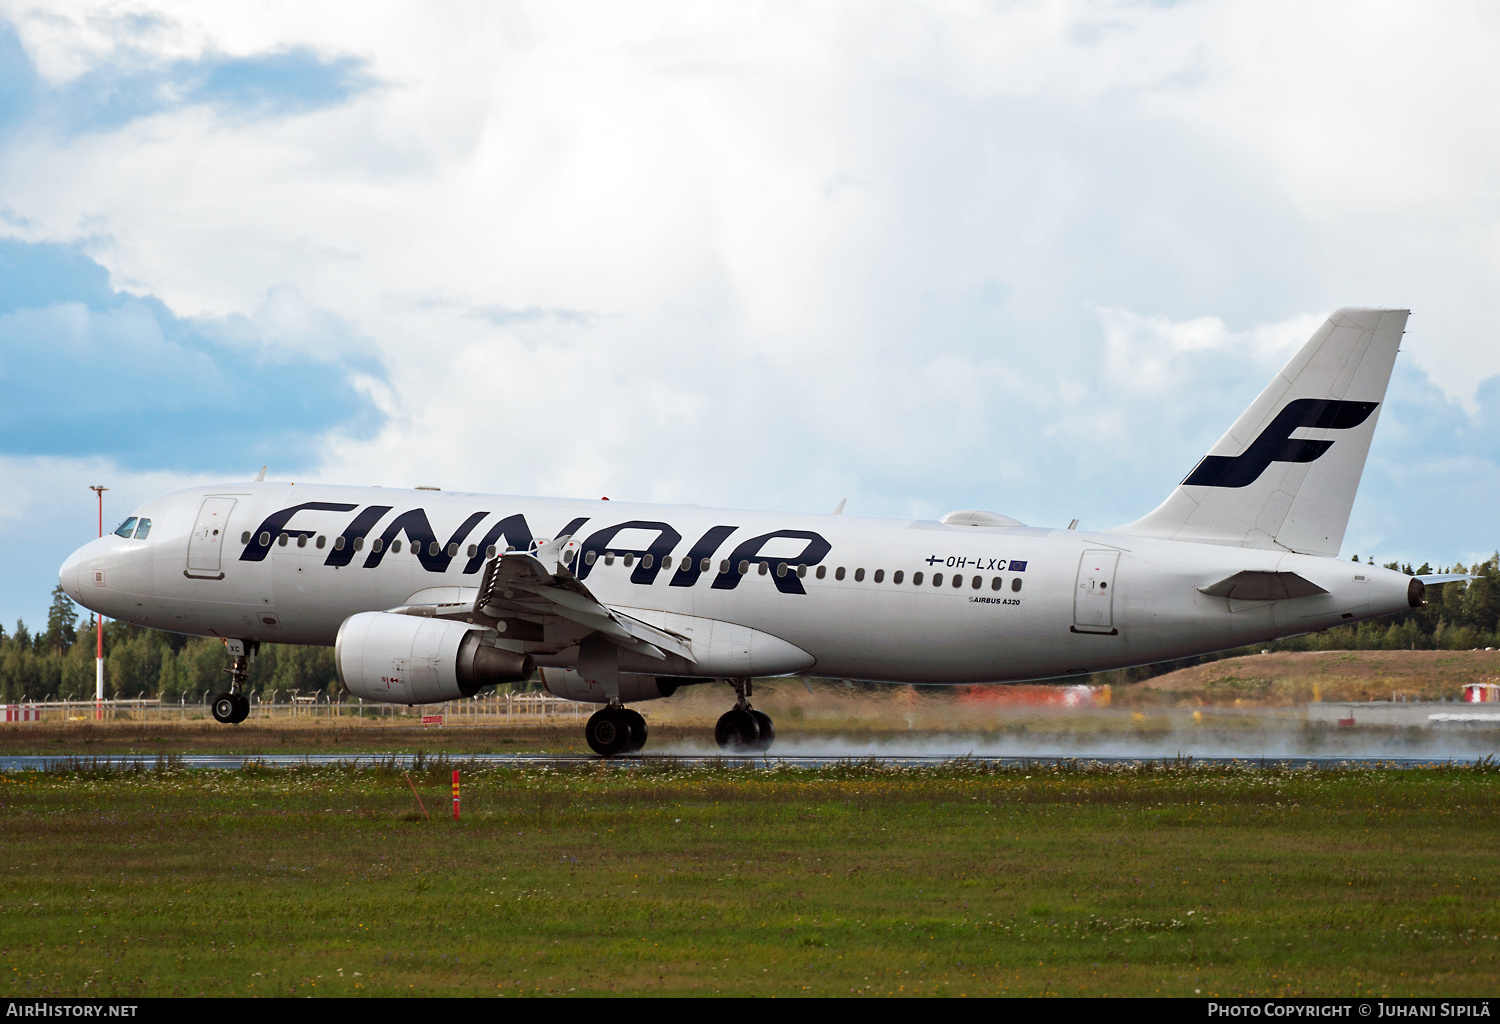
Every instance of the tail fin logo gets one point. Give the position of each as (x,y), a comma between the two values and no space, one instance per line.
(1276,444)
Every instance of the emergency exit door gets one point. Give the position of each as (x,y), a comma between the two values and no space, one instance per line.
(206,545)
(1094,597)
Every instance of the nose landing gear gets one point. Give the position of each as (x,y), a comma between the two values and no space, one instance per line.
(742,727)
(234,707)
(614,729)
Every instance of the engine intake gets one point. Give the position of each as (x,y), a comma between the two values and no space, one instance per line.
(407,659)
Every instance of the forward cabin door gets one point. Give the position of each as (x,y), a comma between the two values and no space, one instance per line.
(206,545)
(1094,597)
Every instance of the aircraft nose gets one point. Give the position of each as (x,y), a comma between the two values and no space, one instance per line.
(77,571)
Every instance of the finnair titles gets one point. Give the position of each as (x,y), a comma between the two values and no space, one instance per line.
(430,596)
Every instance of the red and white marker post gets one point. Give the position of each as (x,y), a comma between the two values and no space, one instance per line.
(99,623)
(455,794)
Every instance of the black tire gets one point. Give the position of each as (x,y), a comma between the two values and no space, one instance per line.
(242,708)
(637,729)
(737,730)
(608,732)
(767,730)
(224,708)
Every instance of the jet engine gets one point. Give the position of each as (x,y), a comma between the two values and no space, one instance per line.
(408,659)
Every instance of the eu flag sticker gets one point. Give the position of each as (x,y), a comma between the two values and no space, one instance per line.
(1017,566)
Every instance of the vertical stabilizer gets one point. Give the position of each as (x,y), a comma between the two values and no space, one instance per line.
(1285,474)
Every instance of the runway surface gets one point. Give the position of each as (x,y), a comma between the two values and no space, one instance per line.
(764,762)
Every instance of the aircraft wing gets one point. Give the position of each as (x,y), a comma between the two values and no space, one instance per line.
(1263,586)
(539,586)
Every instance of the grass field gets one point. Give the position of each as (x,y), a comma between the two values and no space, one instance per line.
(963,880)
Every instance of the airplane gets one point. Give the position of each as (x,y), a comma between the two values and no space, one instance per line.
(429,596)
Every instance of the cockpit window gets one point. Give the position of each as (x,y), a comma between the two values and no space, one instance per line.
(143,529)
(127,528)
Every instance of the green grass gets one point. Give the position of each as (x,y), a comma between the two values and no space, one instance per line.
(962,880)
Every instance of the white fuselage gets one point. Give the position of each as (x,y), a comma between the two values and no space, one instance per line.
(1067,601)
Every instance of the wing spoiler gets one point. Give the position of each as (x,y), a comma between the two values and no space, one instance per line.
(538,586)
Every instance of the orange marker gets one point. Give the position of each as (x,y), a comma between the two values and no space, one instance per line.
(455,794)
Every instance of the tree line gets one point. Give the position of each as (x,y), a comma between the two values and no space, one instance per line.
(58,663)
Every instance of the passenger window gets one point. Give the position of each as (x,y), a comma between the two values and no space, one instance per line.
(629,559)
(724,565)
(281,540)
(879,575)
(822,571)
(666,561)
(359,543)
(977,583)
(958,581)
(473,550)
(648,561)
(916,579)
(801,571)
(897,576)
(1015,585)
(744,567)
(996,583)
(338,543)
(143,529)
(705,565)
(127,528)
(452,550)
(321,541)
(489,552)
(838,573)
(937,579)
(588,559)
(302,540)
(395,546)
(432,548)
(859,575)
(377,544)
(245,537)
(764,566)
(265,539)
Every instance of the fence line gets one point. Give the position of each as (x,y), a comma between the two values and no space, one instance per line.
(493,710)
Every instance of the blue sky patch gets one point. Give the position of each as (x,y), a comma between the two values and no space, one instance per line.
(279,83)
(86,370)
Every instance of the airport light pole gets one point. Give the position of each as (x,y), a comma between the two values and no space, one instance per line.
(99,625)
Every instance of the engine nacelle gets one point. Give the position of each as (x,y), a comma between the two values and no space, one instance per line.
(569,685)
(409,659)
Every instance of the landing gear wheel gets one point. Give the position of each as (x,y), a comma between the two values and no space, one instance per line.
(767,729)
(225,707)
(241,708)
(637,729)
(737,730)
(608,732)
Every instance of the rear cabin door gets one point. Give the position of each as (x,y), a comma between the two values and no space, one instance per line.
(1094,597)
(206,545)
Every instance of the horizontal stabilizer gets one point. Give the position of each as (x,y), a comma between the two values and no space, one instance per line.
(1445,577)
(1263,586)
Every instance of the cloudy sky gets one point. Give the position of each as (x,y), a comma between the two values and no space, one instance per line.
(1032,257)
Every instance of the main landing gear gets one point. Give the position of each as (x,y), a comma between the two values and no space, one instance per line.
(742,727)
(234,707)
(614,729)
